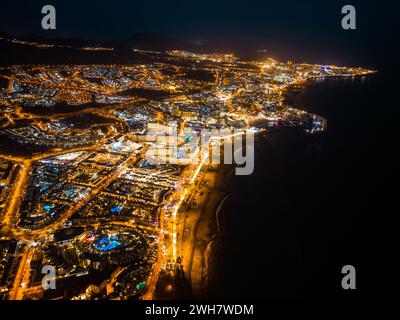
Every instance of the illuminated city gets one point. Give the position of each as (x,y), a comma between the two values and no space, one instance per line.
(77,189)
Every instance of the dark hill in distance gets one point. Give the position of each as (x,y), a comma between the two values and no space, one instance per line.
(143,41)
(66,50)
(25,49)
(76,43)
(158,42)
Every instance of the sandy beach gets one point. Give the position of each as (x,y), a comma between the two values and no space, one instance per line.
(198,227)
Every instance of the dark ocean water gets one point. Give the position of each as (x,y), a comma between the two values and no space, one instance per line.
(314,204)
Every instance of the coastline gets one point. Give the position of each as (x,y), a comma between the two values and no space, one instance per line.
(214,245)
(200,228)
(206,244)
(279,207)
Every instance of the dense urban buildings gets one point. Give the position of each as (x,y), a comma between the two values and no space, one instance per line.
(81,190)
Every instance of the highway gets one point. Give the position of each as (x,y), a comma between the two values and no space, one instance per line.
(15,196)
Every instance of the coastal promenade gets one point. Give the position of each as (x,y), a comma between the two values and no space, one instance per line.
(198,226)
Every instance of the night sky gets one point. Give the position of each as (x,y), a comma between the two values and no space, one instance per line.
(305,30)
